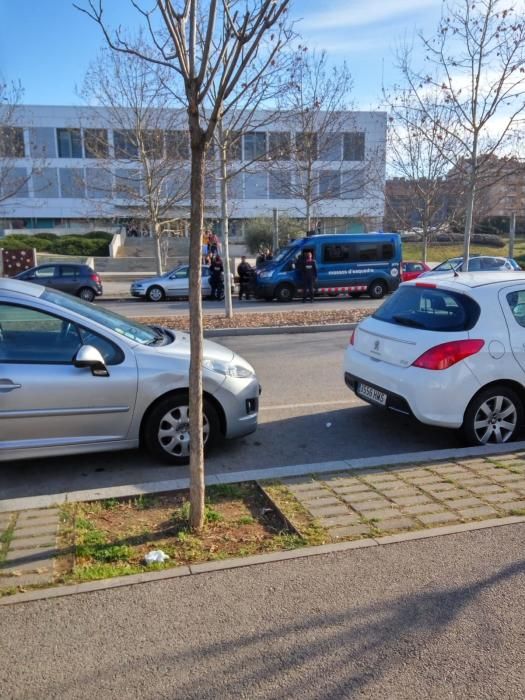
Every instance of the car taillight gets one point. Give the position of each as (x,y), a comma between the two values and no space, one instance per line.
(352,337)
(445,355)
(95,278)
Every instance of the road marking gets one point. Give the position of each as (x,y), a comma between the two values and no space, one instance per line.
(307,405)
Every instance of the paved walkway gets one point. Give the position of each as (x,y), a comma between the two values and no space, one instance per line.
(373,502)
(29,541)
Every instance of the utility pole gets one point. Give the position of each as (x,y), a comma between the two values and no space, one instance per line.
(275,230)
(228,307)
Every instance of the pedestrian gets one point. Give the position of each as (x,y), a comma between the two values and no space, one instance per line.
(204,245)
(245,272)
(308,270)
(268,254)
(216,277)
(260,259)
(213,243)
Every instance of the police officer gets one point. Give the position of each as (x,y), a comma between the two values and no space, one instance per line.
(216,277)
(309,276)
(245,272)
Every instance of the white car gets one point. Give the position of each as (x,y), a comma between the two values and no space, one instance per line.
(449,351)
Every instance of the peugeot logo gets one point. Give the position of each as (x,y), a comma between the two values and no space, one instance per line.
(376,345)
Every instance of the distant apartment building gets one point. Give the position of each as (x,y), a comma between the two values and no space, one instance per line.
(410,204)
(71,160)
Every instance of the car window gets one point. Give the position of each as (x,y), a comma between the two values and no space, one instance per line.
(414,267)
(429,309)
(474,265)
(35,337)
(125,327)
(45,272)
(181,273)
(448,264)
(69,271)
(516,302)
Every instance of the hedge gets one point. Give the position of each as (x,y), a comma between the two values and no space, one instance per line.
(59,245)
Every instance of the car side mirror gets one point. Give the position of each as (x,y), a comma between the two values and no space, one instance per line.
(89,356)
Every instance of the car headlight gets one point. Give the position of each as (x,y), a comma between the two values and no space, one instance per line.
(228,370)
(266,274)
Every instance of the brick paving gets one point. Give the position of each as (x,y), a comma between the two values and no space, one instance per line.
(28,554)
(375,502)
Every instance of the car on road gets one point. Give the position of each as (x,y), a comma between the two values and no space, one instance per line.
(476,263)
(80,280)
(449,351)
(410,269)
(75,378)
(172,284)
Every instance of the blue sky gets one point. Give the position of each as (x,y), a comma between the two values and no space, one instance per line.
(48,44)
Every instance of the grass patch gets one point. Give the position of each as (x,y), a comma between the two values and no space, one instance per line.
(5,539)
(110,538)
(438,253)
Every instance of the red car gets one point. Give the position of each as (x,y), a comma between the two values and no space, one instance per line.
(411,269)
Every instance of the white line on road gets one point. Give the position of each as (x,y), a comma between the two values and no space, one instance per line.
(307,405)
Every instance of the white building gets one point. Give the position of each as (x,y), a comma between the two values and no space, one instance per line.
(73,184)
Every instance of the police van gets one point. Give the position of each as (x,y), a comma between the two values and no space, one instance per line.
(353,264)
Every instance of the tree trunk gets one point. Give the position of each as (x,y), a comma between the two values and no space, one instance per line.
(308,215)
(155,227)
(225,232)
(469,210)
(512,234)
(196,336)
(425,246)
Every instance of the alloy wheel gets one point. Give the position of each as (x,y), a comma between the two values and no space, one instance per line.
(495,420)
(174,431)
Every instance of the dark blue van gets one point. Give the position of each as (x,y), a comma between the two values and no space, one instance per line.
(354,264)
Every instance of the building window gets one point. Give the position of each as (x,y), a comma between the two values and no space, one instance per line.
(153,144)
(128,183)
(254,145)
(177,145)
(353,184)
(306,145)
(96,143)
(98,183)
(69,143)
(280,185)
(45,183)
(13,182)
(329,184)
(11,142)
(235,188)
(330,147)
(125,144)
(255,186)
(354,146)
(72,183)
(234,151)
(42,142)
(280,145)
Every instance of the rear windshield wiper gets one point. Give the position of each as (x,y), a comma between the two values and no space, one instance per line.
(406,321)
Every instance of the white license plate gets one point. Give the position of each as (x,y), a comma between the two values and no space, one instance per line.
(368,392)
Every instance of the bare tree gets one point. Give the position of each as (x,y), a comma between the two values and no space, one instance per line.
(208,44)
(318,163)
(13,178)
(477,61)
(151,143)
(421,151)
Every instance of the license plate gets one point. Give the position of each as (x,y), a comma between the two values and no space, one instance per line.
(368,392)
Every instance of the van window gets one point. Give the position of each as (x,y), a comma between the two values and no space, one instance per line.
(336,253)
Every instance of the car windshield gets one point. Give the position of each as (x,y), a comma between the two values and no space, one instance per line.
(429,309)
(283,253)
(119,324)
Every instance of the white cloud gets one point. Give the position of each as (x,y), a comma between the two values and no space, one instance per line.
(354,14)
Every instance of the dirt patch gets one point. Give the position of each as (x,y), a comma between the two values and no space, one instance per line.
(273,319)
(111,538)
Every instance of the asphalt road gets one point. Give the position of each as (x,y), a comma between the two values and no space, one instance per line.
(134,307)
(438,618)
(307,415)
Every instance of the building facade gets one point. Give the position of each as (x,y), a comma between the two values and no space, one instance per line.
(68,162)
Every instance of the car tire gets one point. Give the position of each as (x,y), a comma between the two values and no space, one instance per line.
(155,293)
(166,430)
(355,295)
(495,415)
(86,294)
(377,289)
(284,293)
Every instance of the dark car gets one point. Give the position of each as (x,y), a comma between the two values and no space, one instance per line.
(80,280)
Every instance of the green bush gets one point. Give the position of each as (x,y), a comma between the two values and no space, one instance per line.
(258,233)
(59,245)
(102,235)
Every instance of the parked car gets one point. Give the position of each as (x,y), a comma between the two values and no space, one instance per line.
(76,378)
(450,352)
(175,283)
(410,269)
(476,263)
(348,263)
(80,280)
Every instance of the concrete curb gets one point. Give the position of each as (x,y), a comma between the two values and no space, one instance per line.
(278,330)
(230,564)
(18,504)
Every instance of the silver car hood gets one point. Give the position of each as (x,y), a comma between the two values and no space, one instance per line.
(181,348)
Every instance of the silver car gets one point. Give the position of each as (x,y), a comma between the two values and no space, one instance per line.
(175,283)
(77,378)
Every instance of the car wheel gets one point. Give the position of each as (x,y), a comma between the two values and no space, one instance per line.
(155,294)
(284,293)
(377,289)
(355,295)
(86,294)
(494,415)
(167,429)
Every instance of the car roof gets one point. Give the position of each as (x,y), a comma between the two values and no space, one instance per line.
(461,280)
(20,287)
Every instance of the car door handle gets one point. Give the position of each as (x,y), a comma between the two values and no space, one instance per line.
(7,385)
